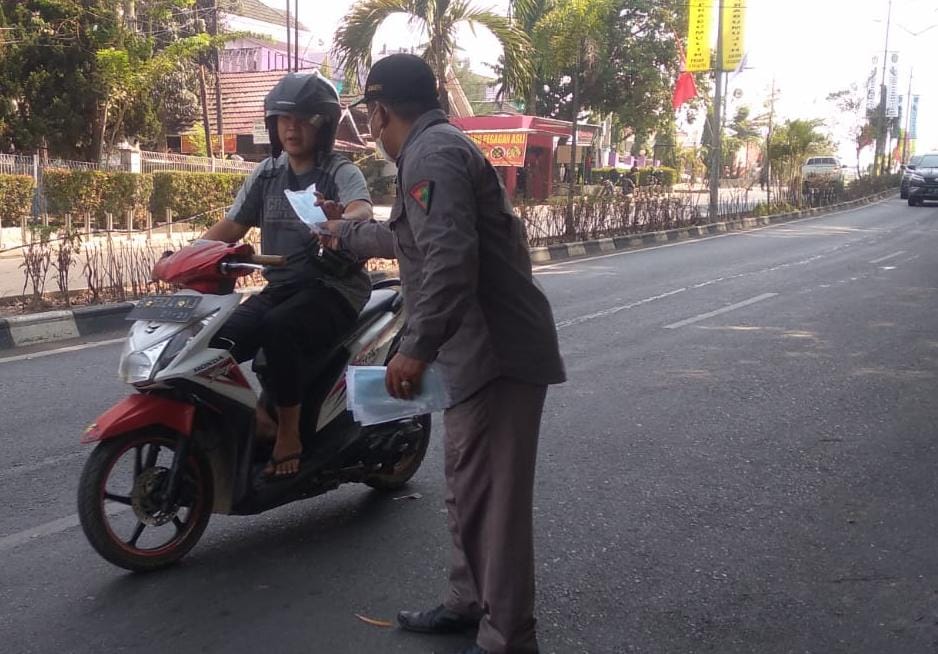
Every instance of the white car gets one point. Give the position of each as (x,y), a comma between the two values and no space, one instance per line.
(822,171)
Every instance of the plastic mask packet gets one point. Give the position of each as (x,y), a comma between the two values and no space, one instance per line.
(304,204)
(370,403)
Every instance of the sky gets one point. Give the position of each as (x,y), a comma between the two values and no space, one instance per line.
(809,47)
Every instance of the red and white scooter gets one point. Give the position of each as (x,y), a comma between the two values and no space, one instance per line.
(183,446)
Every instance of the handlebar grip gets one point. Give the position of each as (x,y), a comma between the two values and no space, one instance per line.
(268,259)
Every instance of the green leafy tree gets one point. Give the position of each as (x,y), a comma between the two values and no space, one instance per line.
(525,15)
(49,82)
(77,76)
(792,143)
(570,41)
(438,20)
(629,65)
(746,128)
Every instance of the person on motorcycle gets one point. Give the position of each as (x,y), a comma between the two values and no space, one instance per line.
(310,303)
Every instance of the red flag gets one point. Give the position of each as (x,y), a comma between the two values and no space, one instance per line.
(685,89)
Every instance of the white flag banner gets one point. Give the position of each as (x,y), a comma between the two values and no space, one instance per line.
(892,86)
(913,119)
(872,89)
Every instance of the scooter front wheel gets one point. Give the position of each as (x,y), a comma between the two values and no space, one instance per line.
(122,505)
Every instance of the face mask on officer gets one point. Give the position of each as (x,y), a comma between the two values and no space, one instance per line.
(379,144)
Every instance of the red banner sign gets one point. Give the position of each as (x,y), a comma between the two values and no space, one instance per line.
(502,148)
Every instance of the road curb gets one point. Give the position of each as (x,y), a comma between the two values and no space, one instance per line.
(78,322)
(49,326)
(577,249)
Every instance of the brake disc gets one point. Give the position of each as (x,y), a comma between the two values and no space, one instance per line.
(147,497)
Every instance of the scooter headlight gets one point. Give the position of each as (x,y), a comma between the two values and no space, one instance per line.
(138,366)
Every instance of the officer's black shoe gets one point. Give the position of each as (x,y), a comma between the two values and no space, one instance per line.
(440,620)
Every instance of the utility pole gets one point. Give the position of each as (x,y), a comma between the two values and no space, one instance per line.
(768,148)
(716,126)
(908,120)
(296,35)
(289,49)
(219,121)
(881,141)
(203,93)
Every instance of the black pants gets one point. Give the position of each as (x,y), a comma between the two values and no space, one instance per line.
(296,326)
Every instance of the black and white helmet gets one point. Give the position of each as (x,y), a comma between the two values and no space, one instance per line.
(309,95)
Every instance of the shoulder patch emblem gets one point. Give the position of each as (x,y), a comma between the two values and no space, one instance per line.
(422,193)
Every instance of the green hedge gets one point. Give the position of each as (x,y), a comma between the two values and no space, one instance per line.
(16,198)
(100,192)
(126,191)
(192,194)
(96,192)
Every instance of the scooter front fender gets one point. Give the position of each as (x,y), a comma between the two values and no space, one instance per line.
(139,411)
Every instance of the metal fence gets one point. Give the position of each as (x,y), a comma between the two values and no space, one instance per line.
(163,161)
(150,162)
(14,164)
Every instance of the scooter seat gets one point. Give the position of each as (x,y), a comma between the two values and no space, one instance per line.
(381,301)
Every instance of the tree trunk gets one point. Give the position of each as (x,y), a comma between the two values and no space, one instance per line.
(205,124)
(440,59)
(531,103)
(117,126)
(100,131)
(216,65)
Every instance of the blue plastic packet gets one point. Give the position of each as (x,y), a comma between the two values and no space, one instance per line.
(370,404)
(304,204)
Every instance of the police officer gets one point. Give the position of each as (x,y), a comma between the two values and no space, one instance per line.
(308,305)
(474,309)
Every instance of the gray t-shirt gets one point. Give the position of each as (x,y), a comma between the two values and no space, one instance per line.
(261,202)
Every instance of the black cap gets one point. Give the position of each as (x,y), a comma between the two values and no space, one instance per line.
(400,77)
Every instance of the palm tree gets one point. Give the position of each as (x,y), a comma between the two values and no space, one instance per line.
(792,143)
(438,20)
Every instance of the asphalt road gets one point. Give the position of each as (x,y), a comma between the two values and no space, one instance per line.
(743,460)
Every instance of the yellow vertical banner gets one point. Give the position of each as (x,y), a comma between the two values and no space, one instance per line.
(698,35)
(734,22)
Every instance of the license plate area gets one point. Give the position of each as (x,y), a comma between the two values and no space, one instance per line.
(166,308)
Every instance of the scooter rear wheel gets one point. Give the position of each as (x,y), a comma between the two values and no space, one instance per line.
(120,501)
(396,477)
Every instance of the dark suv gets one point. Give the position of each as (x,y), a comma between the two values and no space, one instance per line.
(906,174)
(923,182)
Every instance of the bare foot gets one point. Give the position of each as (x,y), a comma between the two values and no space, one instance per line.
(265,426)
(285,459)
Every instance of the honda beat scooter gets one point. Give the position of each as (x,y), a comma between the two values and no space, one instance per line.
(184,446)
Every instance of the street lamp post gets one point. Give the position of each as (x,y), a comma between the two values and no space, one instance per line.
(716,126)
(881,141)
(908,120)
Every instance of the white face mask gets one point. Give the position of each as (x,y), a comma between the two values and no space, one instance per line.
(379,144)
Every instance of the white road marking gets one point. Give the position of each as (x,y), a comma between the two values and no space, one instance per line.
(613,310)
(888,257)
(727,309)
(50,528)
(61,350)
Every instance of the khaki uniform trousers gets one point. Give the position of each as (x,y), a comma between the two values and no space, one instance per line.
(490,453)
